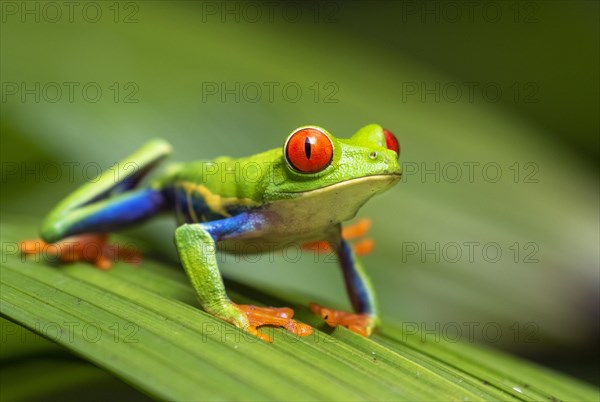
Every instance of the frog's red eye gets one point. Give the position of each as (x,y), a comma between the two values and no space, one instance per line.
(391,141)
(309,150)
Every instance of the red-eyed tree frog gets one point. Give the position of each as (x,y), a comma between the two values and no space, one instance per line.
(298,194)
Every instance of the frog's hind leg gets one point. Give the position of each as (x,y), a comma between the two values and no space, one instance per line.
(81,234)
(99,207)
(118,179)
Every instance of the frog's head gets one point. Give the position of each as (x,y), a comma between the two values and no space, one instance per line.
(338,171)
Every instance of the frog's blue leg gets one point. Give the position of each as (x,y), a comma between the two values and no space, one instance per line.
(83,212)
(360,291)
(106,216)
(358,284)
(196,244)
(98,207)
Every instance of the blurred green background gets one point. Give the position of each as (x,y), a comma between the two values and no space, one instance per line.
(495,106)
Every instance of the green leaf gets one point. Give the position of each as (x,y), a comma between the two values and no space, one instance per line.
(143,325)
(544,207)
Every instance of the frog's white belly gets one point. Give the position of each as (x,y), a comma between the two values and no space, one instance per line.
(312,215)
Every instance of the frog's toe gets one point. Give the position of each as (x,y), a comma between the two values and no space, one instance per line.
(275,316)
(363,247)
(357,229)
(91,248)
(362,324)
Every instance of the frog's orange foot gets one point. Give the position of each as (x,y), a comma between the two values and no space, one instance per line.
(350,232)
(362,324)
(88,247)
(275,316)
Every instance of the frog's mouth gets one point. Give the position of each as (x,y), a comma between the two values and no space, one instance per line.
(325,206)
(368,185)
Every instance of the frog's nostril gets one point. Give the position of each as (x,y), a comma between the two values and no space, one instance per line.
(373,155)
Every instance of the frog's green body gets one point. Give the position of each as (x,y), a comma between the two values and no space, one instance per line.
(294,195)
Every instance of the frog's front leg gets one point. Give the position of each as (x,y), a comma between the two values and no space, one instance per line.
(360,291)
(196,244)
